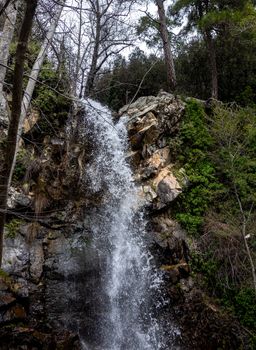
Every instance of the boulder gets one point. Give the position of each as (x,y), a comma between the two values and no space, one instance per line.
(167,187)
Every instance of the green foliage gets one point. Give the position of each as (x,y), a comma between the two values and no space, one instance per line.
(12,228)
(245,307)
(118,87)
(195,143)
(3,274)
(206,265)
(148,30)
(218,152)
(234,131)
(49,97)
(231,24)
(242,302)
(22,161)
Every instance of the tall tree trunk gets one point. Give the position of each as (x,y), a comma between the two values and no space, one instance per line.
(78,57)
(5,41)
(93,67)
(12,136)
(171,75)
(38,65)
(213,63)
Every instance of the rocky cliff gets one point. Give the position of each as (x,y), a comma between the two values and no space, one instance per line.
(50,279)
(153,123)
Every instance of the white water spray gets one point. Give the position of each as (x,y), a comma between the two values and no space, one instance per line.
(129,280)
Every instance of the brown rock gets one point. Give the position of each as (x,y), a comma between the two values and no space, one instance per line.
(6,299)
(16,312)
(159,159)
(168,187)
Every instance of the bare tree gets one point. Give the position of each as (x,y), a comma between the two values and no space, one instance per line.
(110,34)
(171,75)
(235,160)
(5,41)
(17,92)
(38,64)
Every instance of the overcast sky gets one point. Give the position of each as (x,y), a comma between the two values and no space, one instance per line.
(139,11)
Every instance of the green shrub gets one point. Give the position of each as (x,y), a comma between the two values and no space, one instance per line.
(12,228)
(242,302)
(195,143)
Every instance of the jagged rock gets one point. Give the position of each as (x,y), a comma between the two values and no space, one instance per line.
(167,185)
(12,314)
(16,256)
(36,261)
(148,193)
(134,158)
(6,299)
(165,109)
(151,122)
(30,121)
(159,158)
(16,198)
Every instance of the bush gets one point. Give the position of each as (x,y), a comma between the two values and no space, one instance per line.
(195,143)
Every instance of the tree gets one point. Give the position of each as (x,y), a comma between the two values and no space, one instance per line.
(156,33)
(196,10)
(17,92)
(5,41)
(171,75)
(234,131)
(38,64)
(210,17)
(109,32)
(139,75)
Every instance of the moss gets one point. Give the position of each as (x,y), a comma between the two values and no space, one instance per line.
(11,228)
(3,274)
(24,158)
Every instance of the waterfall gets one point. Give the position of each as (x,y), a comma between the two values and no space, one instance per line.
(127,294)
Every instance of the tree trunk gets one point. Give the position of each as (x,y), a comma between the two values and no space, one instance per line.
(37,66)
(171,75)
(93,67)
(12,136)
(5,41)
(213,64)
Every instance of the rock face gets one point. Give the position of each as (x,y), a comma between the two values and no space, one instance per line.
(49,284)
(51,276)
(152,122)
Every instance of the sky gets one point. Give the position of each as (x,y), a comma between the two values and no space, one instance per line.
(139,11)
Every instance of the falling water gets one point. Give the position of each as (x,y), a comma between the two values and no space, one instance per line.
(129,282)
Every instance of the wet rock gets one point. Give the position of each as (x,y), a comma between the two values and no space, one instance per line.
(16,256)
(134,159)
